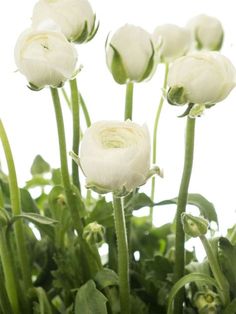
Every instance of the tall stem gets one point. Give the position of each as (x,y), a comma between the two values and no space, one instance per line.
(85,111)
(215,267)
(129,100)
(9,279)
(76,129)
(181,206)
(16,210)
(123,255)
(70,196)
(154,144)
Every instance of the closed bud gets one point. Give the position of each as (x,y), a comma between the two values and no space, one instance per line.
(207,302)
(194,226)
(74,17)
(45,56)
(94,233)
(171,42)
(207,32)
(130,54)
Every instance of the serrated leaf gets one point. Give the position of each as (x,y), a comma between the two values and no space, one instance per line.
(227,258)
(39,166)
(102,213)
(89,300)
(105,278)
(206,208)
(117,67)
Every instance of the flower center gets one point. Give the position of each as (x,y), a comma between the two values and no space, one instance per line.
(118,138)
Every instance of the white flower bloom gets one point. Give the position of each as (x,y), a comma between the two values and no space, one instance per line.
(171,41)
(207,31)
(115,156)
(130,54)
(204,77)
(45,57)
(71,15)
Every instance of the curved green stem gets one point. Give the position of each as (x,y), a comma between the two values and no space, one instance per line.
(215,267)
(129,100)
(181,206)
(70,195)
(16,210)
(9,279)
(123,255)
(156,123)
(76,129)
(85,111)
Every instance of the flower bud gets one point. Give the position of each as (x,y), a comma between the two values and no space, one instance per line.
(94,233)
(74,17)
(207,302)
(207,32)
(201,77)
(171,42)
(45,57)
(115,156)
(130,54)
(194,226)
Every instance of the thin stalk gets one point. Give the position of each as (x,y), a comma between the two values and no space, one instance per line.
(10,281)
(123,254)
(154,144)
(129,100)
(70,196)
(215,267)
(181,206)
(85,111)
(16,210)
(66,97)
(76,129)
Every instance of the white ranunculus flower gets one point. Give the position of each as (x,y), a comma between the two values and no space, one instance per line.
(75,17)
(207,32)
(45,57)
(204,77)
(130,54)
(171,41)
(115,156)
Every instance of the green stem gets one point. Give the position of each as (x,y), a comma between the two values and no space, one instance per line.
(232,237)
(70,195)
(66,97)
(215,267)
(129,100)
(10,281)
(181,206)
(123,255)
(16,210)
(156,123)
(76,130)
(85,111)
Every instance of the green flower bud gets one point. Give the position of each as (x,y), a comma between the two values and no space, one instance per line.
(94,233)
(194,226)
(207,302)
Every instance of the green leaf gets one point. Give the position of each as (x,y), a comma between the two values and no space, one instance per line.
(37,181)
(227,258)
(89,300)
(231,308)
(117,67)
(39,166)
(138,201)
(102,213)
(105,278)
(186,280)
(44,305)
(27,203)
(205,207)
(35,218)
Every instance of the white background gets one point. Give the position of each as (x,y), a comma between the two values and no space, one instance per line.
(29,118)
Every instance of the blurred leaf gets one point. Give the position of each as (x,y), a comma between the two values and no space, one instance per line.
(231,308)
(89,300)
(138,306)
(102,213)
(227,258)
(39,166)
(27,203)
(206,208)
(44,306)
(105,278)
(139,200)
(37,181)
(158,268)
(56,176)
(35,218)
